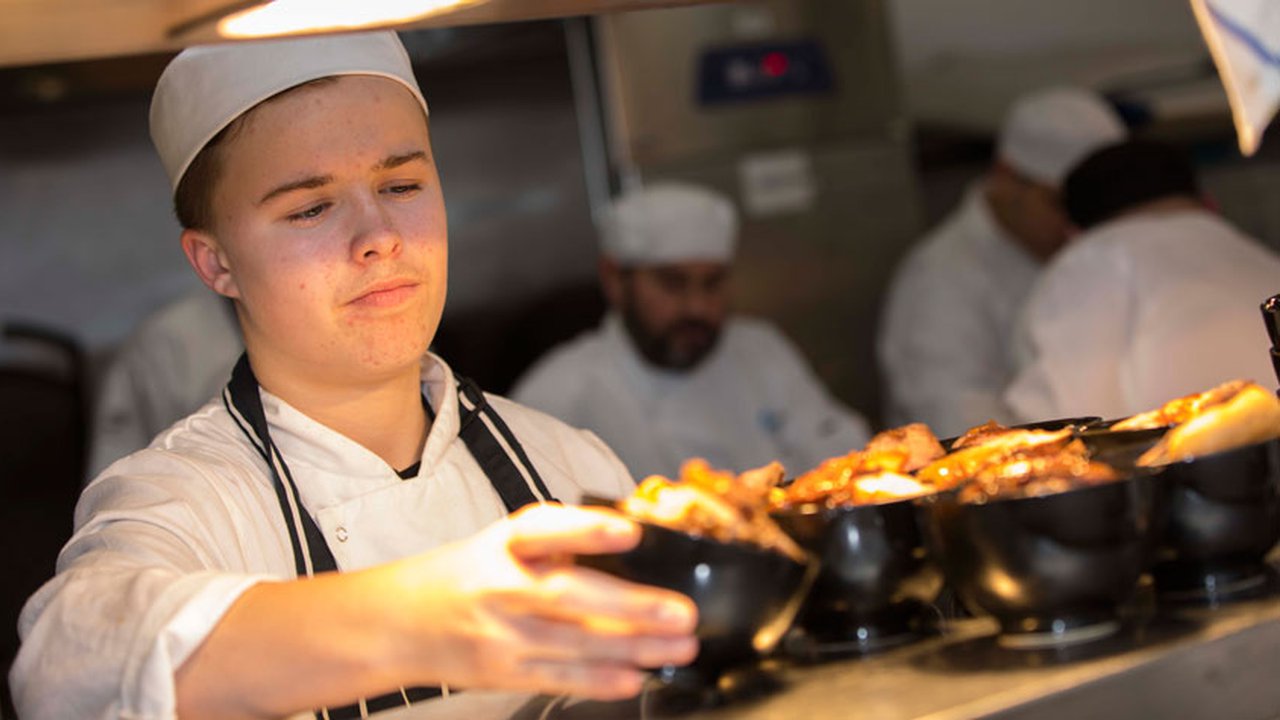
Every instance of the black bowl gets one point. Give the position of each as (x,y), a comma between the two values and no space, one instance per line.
(1120,448)
(876,577)
(1275,362)
(1053,569)
(747,597)
(1223,520)
(1271,318)
(1077,425)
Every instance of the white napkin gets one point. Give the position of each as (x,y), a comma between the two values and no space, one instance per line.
(1244,37)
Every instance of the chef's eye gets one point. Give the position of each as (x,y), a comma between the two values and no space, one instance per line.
(402,189)
(310,213)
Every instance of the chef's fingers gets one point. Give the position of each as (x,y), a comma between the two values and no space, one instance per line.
(546,531)
(590,597)
(559,640)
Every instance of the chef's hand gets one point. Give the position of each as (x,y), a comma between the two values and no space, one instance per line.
(508,609)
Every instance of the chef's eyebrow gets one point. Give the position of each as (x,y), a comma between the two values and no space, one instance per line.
(394,161)
(311,183)
(315,181)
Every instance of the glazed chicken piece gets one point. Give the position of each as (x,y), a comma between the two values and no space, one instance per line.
(1037,473)
(979,434)
(988,449)
(876,474)
(1180,410)
(716,504)
(916,443)
(1251,414)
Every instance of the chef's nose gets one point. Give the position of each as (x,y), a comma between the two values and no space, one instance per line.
(376,235)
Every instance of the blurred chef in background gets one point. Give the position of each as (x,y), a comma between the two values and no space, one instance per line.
(175,360)
(1158,298)
(671,374)
(945,331)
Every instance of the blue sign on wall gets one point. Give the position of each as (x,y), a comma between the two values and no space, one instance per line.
(754,72)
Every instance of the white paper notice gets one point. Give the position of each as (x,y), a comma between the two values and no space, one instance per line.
(777,182)
(1244,38)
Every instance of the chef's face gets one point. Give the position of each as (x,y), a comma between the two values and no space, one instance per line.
(1031,211)
(673,312)
(328,229)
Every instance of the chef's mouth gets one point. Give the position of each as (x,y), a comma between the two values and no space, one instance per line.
(386,294)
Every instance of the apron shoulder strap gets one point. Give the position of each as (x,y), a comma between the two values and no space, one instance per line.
(496,449)
(311,553)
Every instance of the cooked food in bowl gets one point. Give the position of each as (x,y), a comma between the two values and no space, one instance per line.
(991,461)
(1036,473)
(992,432)
(1052,569)
(855,513)
(714,503)
(1039,533)
(1229,416)
(708,535)
(1220,489)
(879,473)
(1180,410)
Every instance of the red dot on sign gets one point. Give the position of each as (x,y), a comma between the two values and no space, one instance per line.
(774,64)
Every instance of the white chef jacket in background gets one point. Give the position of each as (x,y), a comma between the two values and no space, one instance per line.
(170,366)
(753,400)
(167,538)
(948,321)
(1141,310)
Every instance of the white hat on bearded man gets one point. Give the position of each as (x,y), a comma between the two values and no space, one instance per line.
(670,222)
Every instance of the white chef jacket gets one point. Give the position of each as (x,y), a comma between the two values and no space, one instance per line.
(167,538)
(1141,310)
(170,366)
(751,401)
(948,320)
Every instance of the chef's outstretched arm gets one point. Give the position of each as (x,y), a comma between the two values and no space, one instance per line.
(503,609)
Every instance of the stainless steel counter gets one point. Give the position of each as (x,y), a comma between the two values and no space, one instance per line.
(1222,663)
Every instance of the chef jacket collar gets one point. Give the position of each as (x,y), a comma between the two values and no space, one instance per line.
(306,442)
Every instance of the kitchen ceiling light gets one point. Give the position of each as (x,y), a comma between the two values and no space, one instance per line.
(245,20)
(287,17)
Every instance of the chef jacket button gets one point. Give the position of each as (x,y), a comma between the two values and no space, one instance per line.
(341,532)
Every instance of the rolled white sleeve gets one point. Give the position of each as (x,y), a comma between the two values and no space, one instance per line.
(135,595)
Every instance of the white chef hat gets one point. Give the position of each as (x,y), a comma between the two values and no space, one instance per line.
(669,222)
(205,88)
(1047,132)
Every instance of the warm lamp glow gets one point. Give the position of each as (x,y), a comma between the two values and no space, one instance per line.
(287,17)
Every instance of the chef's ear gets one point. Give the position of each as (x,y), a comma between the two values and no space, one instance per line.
(209,261)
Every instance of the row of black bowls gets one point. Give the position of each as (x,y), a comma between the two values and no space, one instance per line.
(1053,569)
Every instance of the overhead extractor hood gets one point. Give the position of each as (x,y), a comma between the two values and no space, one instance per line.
(45,31)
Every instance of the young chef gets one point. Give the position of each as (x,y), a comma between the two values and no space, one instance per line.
(195,583)
(671,373)
(1156,299)
(951,309)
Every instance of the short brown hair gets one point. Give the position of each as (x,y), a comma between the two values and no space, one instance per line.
(193,199)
